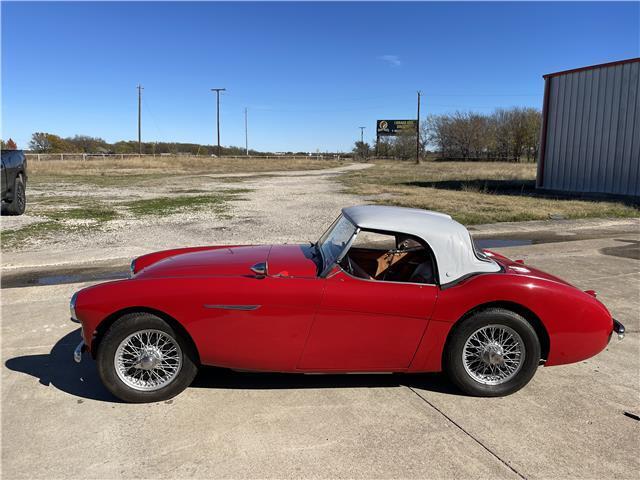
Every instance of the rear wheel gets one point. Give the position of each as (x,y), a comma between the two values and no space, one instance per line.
(494,352)
(18,203)
(142,359)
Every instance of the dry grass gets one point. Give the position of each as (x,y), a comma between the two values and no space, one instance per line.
(177,165)
(474,192)
(147,171)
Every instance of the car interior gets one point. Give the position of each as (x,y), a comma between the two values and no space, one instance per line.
(390,258)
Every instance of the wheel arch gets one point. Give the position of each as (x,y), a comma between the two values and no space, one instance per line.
(104,325)
(524,312)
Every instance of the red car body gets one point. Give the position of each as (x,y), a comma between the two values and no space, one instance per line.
(294,320)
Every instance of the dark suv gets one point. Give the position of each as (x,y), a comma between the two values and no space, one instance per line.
(14,182)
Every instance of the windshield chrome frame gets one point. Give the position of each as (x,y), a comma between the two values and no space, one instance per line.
(326,269)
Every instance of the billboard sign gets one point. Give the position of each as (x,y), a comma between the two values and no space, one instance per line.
(395,127)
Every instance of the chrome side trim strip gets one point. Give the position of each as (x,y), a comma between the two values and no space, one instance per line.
(234,307)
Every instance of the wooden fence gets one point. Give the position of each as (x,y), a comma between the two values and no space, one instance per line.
(37,157)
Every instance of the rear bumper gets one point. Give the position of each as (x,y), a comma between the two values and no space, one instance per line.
(618,328)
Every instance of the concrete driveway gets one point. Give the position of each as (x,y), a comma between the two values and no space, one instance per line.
(59,422)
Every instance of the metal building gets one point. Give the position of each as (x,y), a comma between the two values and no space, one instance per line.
(590,139)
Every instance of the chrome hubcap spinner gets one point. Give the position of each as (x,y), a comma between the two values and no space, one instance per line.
(493,354)
(148,360)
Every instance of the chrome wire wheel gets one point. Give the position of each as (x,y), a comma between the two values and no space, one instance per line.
(148,360)
(493,354)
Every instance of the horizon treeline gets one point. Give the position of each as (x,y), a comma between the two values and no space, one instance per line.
(505,134)
(43,142)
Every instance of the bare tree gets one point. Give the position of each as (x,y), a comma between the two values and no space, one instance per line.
(506,134)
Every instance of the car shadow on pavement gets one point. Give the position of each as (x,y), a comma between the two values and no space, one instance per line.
(210,377)
(58,369)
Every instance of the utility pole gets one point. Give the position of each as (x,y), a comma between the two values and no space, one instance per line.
(139,87)
(218,90)
(418,131)
(362,134)
(246,132)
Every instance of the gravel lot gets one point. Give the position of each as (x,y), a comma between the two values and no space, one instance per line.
(304,203)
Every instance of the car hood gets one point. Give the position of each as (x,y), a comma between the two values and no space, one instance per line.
(282,260)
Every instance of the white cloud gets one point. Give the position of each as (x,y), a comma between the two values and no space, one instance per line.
(393,60)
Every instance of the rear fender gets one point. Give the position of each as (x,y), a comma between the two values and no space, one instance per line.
(578,326)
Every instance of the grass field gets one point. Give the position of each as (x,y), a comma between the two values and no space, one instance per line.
(474,192)
(114,172)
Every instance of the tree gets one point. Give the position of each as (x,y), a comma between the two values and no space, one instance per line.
(362,150)
(404,145)
(11,145)
(40,142)
(384,147)
(43,142)
(506,134)
(87,144)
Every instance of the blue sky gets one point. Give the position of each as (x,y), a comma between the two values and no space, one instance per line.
(309,73)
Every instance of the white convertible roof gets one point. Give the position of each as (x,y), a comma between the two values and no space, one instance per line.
(449,240)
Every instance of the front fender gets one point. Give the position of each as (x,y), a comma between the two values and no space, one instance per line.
(240,322)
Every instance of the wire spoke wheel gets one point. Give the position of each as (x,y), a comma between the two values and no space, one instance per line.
(148,360)
(493,354)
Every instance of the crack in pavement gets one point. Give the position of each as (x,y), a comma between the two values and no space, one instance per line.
(467,433)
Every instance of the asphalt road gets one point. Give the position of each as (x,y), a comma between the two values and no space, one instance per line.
(59,422)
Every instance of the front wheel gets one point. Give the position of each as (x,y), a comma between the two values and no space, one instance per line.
(494,352)
(18,203)
(142,359)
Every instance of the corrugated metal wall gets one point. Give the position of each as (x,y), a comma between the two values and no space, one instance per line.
(593,131)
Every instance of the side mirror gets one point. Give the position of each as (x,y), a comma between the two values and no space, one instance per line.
(260,269)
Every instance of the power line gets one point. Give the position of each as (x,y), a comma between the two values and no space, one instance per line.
(218,90)
(418,130)
(246,131)
(139,87)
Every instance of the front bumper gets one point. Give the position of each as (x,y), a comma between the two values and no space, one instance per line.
(77,353)
(618,328)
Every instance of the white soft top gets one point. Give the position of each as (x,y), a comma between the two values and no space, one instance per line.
(449,240)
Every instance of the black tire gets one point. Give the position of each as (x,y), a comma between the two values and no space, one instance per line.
(453,356)
(119,331)
(18,202)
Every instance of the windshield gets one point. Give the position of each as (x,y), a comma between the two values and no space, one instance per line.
(335,240)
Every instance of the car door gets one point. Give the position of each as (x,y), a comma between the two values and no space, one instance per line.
(367,325)
(254,324)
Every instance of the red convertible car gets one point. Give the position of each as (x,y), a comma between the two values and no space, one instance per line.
(385,289)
